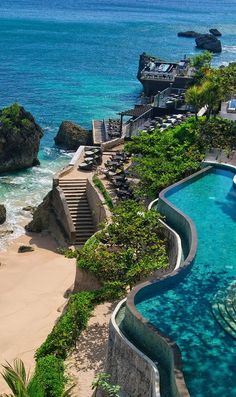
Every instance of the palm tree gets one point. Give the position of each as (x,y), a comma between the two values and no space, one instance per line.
(194,97)
(20,382)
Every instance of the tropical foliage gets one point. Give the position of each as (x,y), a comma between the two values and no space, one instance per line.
(162,158)
(69,326)
(212,86)
(101,382)
(128,249)
(108,200)
(48,381)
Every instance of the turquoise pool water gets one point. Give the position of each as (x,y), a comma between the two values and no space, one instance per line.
(185,311)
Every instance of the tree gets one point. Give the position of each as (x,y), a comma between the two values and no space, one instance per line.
(201,63)
(194,96)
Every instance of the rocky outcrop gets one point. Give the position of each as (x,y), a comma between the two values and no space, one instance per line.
(208,42)
(3,214)
(144,59)
(188,33)
(41,216)
(45,221)
(70,136)
(19,139)
(215,32)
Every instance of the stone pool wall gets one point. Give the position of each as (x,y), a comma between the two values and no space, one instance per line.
(147,339)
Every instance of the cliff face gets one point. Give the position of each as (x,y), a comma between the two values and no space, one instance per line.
(70,136)
(19,139)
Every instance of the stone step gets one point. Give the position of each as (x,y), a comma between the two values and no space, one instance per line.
(79,208)
(75,195)
(82,213)
(221,321)
(226,316)
(81,220)
(224,308)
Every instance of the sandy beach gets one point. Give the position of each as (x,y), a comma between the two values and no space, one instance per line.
(32,296)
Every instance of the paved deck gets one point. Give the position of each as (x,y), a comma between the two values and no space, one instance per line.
(223,113)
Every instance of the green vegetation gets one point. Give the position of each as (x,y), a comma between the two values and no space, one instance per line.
(48,381)
(11,118)
(161,159)
(201,63)
(108,200)
(212,86)
(127,250)
(102,382)
(69,326)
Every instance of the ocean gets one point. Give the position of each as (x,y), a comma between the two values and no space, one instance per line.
(77,60)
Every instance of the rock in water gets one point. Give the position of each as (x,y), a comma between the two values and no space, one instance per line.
(3,214)
(208,42)
(215,32)
(70,136)
(19,139)
(189,33)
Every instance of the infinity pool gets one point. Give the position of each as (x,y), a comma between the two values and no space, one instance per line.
(184,312)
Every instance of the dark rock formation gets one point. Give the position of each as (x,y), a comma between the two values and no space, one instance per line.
(19,139)
(144,59)
(25,248)
(29,208)
(45,221)
(70,136)
(3,214)
(189,33)
(215,32)
(208,42)
(40,219)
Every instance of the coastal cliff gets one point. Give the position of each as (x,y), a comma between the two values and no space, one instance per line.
(19,139)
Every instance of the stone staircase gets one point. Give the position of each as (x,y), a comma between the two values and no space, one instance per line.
(224,309)
(76,198)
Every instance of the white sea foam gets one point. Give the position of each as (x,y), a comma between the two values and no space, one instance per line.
(229,48)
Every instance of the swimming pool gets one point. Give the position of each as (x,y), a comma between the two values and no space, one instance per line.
(185,312)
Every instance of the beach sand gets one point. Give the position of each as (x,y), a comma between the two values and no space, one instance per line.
(32,289)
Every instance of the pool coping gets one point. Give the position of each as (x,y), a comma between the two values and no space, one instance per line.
(179,377)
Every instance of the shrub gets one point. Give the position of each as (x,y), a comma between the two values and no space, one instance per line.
(49,379)
(69,326)
(128,249)
(162,158)
(108,200)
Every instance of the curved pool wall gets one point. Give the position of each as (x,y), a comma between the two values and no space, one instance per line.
(156,344)
(162,347)
(127,361)
(129,367)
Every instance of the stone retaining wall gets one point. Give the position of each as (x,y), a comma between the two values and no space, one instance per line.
(130,368)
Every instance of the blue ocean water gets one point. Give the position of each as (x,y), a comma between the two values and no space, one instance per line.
(184,312)
(77,60)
